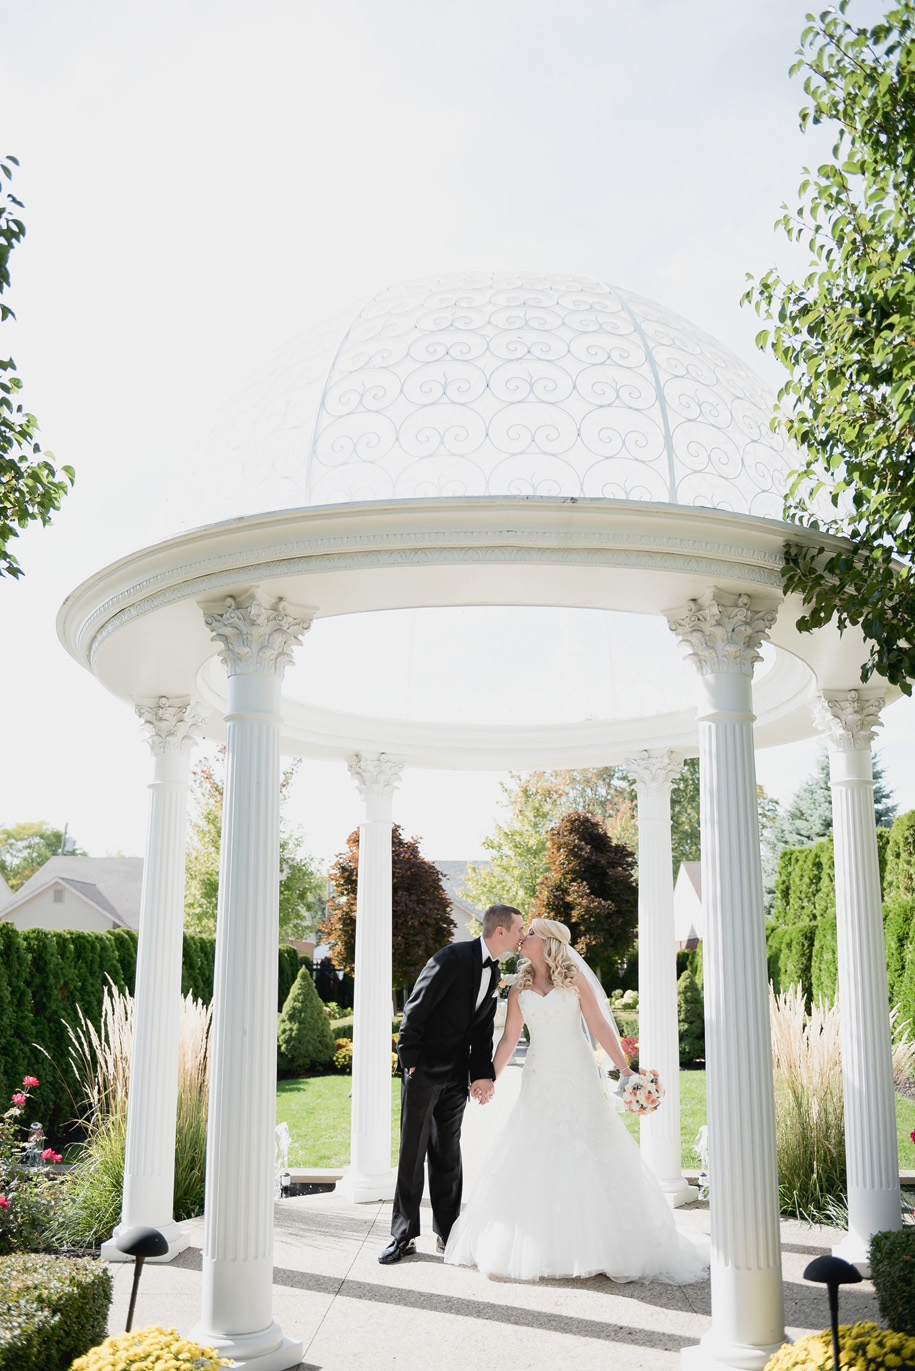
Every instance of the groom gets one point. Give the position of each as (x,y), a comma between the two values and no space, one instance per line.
(445,1043)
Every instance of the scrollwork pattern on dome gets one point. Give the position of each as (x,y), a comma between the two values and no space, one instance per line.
(494,384)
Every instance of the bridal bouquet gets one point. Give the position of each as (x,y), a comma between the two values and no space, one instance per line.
(641,1094)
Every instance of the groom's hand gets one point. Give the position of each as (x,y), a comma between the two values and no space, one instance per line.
(482,1091)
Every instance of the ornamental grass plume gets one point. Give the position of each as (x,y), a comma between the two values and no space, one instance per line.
(146,1348)
(809,1111)
(101,1059)
(903,1049)
(862,1346)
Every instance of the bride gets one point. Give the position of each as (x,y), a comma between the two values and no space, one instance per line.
(599,1209)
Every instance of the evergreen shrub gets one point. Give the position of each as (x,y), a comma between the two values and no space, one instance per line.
(824,967)
(892,1263)
(304,1037)
(52,1309)
(690,1019)
(899,879)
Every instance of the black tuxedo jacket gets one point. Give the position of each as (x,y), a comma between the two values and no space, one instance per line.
(442,1029)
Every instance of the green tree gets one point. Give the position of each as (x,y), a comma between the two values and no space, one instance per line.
(844,335)
(684,814)
(301,882)
(608,792)
(304,1039)
(518,847)
(589,886)
(30,487)
(420,914)
(26,847)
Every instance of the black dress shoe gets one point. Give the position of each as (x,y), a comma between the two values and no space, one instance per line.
(397,1248)
(439,1243)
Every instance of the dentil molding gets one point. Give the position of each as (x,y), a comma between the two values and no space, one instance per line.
(723,631)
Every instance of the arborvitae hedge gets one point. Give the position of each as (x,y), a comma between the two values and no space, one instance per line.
(801,936)
(47,975)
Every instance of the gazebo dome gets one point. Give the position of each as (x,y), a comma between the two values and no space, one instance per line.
(501,384)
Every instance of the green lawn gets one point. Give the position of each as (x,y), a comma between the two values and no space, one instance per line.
(317,1110)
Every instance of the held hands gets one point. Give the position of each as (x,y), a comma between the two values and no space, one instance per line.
(482,1091)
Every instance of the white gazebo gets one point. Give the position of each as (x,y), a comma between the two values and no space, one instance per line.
(555,462)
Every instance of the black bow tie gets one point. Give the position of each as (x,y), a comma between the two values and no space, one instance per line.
(489,962)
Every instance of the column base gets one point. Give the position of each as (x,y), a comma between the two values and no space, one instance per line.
(173,1234)
(855,1250)
(268,1350)
(679,1192)
(363,1189)
(713,1354)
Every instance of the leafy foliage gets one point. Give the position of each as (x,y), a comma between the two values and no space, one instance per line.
(29,484)
(590,886)
(26,847)
(301,883)
(421,910)
(518,847)
(52,1309)
(892,1263)
(304,1038)
(844,334)
(27,1194)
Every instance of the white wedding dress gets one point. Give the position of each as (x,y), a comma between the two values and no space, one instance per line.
(564,1192)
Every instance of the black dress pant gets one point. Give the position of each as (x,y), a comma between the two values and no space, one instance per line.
(431,1113)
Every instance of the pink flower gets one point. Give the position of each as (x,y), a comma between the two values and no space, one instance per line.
(4,1202)
(18,1098)
(49,1155)
(912,1135)
(30,1080)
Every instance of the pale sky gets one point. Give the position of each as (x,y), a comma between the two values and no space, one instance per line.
(204,182)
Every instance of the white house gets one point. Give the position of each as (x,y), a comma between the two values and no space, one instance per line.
(463,911)
(92,894)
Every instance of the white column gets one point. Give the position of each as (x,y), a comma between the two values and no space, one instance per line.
(659,1047)
(849,718)
(369,1175)
(149,1157)
(748,1323)
(237,1288)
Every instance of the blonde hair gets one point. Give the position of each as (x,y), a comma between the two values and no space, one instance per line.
(556,938)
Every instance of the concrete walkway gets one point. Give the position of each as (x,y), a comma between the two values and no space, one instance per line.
(352,1313)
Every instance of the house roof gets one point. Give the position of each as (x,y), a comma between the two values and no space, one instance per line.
(5,893)
(692,871)
(112,884)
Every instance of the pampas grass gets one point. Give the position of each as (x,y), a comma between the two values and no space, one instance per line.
(903,1049)
(101,1060)
(809,1115)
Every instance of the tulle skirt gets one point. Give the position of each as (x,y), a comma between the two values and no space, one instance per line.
(565,1193)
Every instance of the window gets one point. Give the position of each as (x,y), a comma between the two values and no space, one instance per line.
(58,895)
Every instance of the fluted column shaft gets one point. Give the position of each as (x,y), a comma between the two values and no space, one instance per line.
(370,1175)
(747,1300)
(149,1155)
(237,1283)
(871,1150)
(659,1133)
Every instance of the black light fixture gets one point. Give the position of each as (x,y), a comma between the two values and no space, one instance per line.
(833,1272)
(140,1243)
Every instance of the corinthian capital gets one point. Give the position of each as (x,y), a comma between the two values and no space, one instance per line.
(654,770)
(376,773)
(256,637)
(170,726)
(723,631)
(848,718)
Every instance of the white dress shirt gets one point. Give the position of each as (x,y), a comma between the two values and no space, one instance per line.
(484,978)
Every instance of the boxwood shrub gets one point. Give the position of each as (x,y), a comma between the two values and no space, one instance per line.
(892,1262)
(52,1309)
